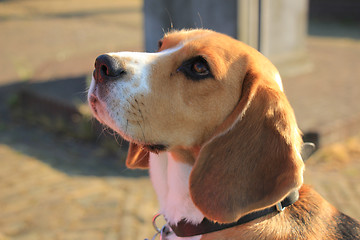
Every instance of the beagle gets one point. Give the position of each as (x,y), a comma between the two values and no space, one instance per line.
(208,116)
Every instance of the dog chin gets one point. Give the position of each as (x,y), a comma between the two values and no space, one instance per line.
(150,147)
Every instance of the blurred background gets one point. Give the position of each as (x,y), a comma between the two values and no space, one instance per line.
(62,176)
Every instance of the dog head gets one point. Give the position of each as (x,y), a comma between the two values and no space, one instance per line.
(215,100)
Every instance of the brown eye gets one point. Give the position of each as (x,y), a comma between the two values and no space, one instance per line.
(196,69)
(200,68)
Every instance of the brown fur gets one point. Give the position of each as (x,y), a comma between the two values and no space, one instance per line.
(239,132)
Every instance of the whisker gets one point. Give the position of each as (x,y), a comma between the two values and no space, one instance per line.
(127,124)
(201,21)
(170,19)
(100,134)
(142,158)
(139,110)
(142,131)
(116,138)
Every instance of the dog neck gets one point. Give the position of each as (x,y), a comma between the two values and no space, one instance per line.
(170,177)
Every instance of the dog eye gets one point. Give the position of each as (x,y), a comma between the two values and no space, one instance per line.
(160,43)
(195,68)
(200,68)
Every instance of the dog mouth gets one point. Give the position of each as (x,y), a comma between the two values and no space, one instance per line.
(93,100)
(155,148)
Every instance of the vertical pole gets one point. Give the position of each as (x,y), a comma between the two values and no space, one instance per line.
(248,21)
(259,27)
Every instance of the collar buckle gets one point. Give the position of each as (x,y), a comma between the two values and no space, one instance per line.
(162,232)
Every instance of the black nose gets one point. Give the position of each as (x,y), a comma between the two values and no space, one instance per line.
(107,68)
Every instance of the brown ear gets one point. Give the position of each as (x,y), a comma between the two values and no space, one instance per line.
(137,157)
(253,160)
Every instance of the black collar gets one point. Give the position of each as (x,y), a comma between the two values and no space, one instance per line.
(185,229)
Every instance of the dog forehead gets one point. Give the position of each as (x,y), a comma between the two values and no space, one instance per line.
(144,57)
(174,38)
(191,37)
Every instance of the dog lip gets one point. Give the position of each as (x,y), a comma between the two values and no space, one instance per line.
(93,100)
(155,148)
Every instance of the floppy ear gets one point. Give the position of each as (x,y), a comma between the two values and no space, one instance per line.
(253,160)
(137,157)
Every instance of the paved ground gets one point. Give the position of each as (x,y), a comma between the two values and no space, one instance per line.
(326,99)
(43,40)
(52,187)
(39,202)
(57,188)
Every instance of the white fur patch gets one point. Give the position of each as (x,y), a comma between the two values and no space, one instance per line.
(101,108)
(112,109)
(140,63)
(170,179)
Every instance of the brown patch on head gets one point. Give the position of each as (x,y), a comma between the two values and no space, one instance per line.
(174,38)
(181,112)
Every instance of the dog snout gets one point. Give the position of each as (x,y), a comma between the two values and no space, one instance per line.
(107,68)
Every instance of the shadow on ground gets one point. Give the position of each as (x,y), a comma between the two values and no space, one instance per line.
(53,141)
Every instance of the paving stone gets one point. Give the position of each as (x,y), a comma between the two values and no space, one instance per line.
(71,207)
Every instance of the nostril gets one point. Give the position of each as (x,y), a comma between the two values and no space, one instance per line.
(107,68)
(104,70)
